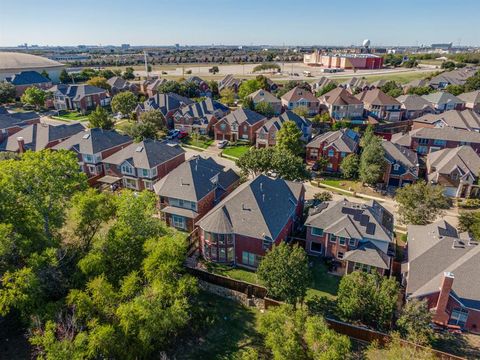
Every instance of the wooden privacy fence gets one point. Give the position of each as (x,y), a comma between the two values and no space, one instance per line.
(352,331)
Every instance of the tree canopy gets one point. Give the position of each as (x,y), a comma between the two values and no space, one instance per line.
(289,138)
(124,103)
(266,67)
(7,92)
(372,161)
(34,96)
(350,166)
(248,87)
(99,81)
(99,118)
(265,108)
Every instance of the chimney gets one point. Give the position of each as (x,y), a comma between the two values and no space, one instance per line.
(441,316)
(21,145)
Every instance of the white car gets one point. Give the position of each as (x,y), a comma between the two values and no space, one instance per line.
(222,144)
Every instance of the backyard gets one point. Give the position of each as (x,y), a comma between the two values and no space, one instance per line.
(236,151)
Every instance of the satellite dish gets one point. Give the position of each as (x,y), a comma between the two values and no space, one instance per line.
(366,43)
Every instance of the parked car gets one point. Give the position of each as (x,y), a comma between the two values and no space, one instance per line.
(182,134)
(222,144)
(172,134)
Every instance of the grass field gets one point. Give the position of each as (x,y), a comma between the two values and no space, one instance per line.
(236,151)
(71,116)
(201,143)
(350,185)
(122,125)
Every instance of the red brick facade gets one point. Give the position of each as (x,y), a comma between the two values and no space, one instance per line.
(245,131)
(330,153)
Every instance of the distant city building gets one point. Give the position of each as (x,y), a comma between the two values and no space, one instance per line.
(125,46)
(343,61)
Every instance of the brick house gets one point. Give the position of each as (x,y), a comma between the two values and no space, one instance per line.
(11,123)
(82,98)
(342,105)
(200,116)
(300,97)
(119,84)
(380,105)
(471,100)
(267,133)
(38,136)
(334,146)
(402,165)
(414,106)
(443,101)
(193,188)
(242,227)
(456,119)
(261,95)
(139,165)
(92,146)
(441,265)
(240,124)
(229,82)
(26,79)
(357,236)
(426,140)
(455,169)
(167,104)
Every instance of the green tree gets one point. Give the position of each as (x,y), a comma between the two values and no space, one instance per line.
(369,298)
(473,82)
(395,350)
(140,131)
(99,118)
(301,111)
(372,161)
(470,221)
(227,97)
(323,196)
(284,271)
(455,89)
(7,92)
(170,86)
(419,90)
(325,89)
(350,166)
(323,343)
(154,117)
(265,108)
(267,66)
(34,96)
(289,138)
(124,103)
(367,136)
(420,203)
(129,74)
(321,118)
(247,103)
(44,73)
(213,70)
(64,77)
(100,82)
(415,322)
(248,87)
(449,65)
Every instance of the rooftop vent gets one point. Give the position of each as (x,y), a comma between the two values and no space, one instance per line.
(139,149)
(86,136)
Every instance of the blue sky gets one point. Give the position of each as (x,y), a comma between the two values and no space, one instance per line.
(276,22)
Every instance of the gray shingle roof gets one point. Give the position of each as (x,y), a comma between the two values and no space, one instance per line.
(8,120)
(286,116)
(204,108)
(259,208)
(437,248)
(29,78)
(367,253)
(93,141)
(298,93)
(340,96)
(146,154)
(37,136)
(442,97)
(400,154)
(462,159)
(77,92)
(194,179)
(465,119)
(470,97)
(344,140)
(446,133)
(242,115)
(376,97)
(264,96)
(413,102)
(166,102)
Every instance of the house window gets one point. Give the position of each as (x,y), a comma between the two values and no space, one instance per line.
(352,243)
(423,141)
(343,154)
(144,172)
(248,258)
(179,223)
(331,153)
(455,176)
(245,128)
(439,142)
(396,167)
(127,170)
(222,254)
(130,183)
(147,184)
(362,267)
(314,154)
(316,247)
(333,238)
(422,149)
(88,158)
(223,127)
(458,317)
(342,241)
(317,231)
(340,255)
(267,243)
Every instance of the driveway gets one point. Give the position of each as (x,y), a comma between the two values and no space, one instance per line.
(213,152)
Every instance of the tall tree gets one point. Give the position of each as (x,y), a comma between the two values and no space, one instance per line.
(124,103)
(301,111)
(64,77)
(227,97)
(372,161)
(248,87)
(265,108)
(396,350)
(128,74)
(284,271)
(7,92)
(99,118)
(415,322)
(154,117)
(350,166)
(420,203)
(100,82)
(289,138)
(34,96)
(325,89)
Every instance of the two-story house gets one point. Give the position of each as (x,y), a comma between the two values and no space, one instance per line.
(82,98)
(342,105)
(261,95)
(443,101)
(414,106)
(200,116)
(455,169)
(190,190)
(240,124)
(119,84)
(456,119)
(299,97)
(380,105)
(38,136)
(246,224)
(471,100)
(11,123)
(202,86)
(402,165)
(139,165)
(334,146)
(167,104)
(267,133)
(92,146)
(26,79)
(441,265)
(357,236)
(229,82)
(426,140)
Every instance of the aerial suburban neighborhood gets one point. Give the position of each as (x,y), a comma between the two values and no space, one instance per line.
(192,201)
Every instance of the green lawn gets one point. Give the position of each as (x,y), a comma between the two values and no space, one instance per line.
(222,329)
(236,151)
(401,77)
(350,185)
(200,142)
(71,116)
(122,125)
(323,284)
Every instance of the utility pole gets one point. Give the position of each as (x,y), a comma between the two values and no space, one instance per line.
(146,65)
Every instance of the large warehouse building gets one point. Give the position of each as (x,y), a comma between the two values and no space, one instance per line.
(343,61)
(12,63)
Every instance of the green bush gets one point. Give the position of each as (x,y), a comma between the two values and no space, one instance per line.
(470,204)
